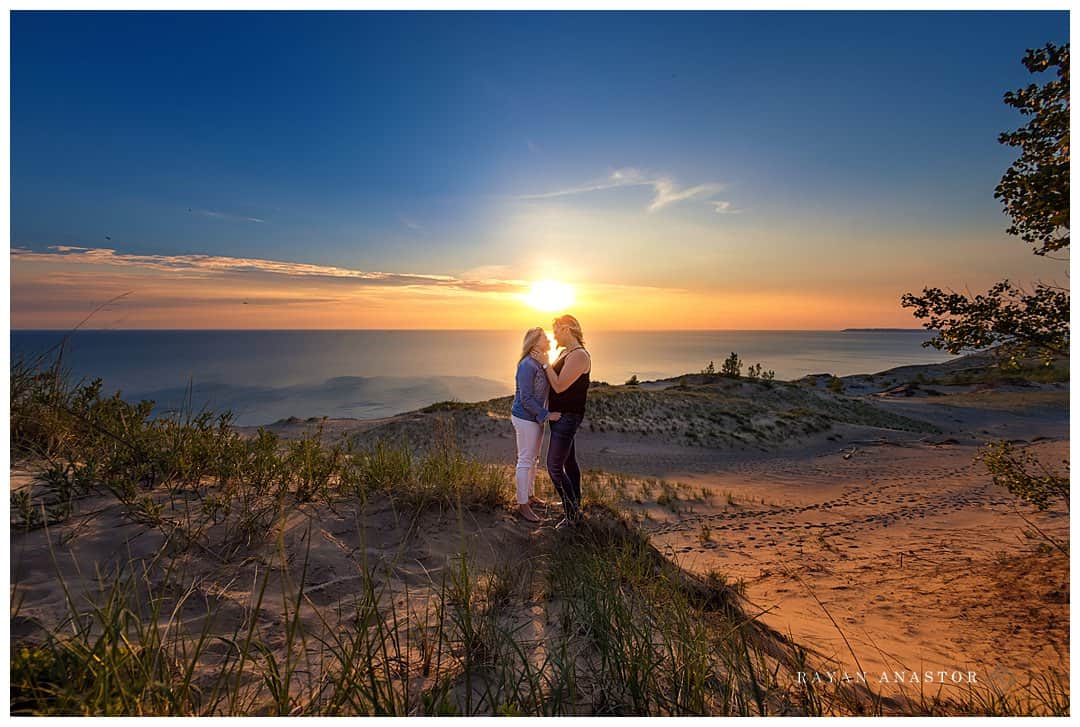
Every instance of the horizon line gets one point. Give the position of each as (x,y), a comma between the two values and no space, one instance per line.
(461,330)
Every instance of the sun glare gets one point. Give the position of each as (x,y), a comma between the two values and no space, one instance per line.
(550,296)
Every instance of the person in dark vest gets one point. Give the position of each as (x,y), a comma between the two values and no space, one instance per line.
(569,379)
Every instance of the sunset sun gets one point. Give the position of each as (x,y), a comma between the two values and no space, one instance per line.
(550,296)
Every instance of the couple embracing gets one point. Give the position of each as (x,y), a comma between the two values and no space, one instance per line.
(553,394)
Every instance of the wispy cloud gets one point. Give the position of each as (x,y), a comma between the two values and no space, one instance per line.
(223,215)
(411,223)
(666,191)
(618,178)
(211,265)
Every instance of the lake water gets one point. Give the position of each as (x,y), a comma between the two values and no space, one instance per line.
(263,376)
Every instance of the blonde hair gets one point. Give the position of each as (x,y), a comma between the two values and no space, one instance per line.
(572,323)
(532,337)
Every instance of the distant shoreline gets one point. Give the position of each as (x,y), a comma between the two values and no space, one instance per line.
(884,330)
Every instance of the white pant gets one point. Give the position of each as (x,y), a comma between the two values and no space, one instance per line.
(530,436)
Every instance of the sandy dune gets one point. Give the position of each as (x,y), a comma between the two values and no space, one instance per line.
(922,561)
(901,537)
(903,540)
(880,549)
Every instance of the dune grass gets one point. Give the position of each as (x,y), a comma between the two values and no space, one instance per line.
(1028,370)
(711,411)
(590,621)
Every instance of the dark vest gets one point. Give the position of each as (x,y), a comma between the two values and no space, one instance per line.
(572,400)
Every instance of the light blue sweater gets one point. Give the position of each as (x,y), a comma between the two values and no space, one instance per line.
(531,391)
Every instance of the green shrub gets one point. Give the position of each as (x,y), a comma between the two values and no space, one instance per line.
(1022,474)
(732,366)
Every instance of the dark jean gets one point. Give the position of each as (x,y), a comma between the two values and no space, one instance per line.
(562,465)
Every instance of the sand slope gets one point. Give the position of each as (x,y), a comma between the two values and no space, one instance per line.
(862,525)
(886,518)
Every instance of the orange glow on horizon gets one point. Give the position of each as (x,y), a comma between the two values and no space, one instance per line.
(57,293)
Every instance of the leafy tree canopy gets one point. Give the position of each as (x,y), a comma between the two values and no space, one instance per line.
(1035,194)
(1035,189)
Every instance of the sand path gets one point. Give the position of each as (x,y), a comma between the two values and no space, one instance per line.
(919,558)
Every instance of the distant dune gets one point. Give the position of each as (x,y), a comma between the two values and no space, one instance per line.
(708,414)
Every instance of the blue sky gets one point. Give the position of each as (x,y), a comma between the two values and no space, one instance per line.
(437,143)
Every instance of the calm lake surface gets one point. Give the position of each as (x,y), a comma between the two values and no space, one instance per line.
(263,376)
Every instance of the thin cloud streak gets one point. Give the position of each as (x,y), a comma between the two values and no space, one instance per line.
(224,216)
(665,190)
(211,265)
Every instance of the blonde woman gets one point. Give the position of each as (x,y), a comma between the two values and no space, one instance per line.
(569,380)
(528,414)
